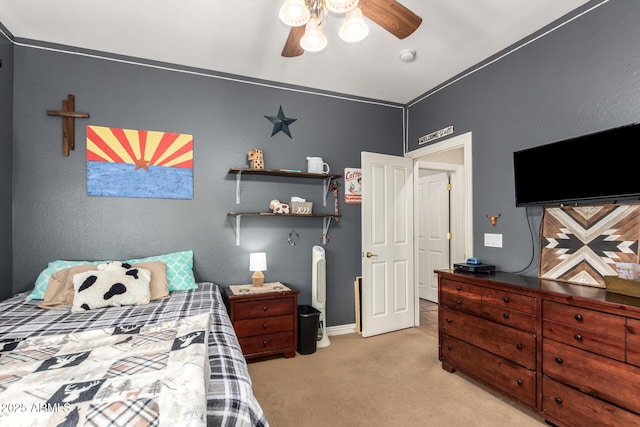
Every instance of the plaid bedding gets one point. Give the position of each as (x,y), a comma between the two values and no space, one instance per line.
(230,399)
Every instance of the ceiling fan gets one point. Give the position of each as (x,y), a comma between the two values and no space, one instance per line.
(308,15)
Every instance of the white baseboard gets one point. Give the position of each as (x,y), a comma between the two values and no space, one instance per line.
(341,329)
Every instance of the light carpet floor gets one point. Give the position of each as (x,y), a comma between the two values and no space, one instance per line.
(393,379)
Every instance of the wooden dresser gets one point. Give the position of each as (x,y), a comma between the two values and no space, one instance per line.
(265,323)
(569,352)
(490,334)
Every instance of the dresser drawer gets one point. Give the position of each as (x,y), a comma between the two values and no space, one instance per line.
(461,289)
(266,342)
(633,353)
(506,376)
(515,319)
(575,409)
(633,330)
(612,381)
(585,339)
(459,302)
(510,300)
(261,308)
(596,321)
(263,325)
(633,341)
(517,346)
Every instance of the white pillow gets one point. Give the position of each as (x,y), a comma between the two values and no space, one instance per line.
(112,284)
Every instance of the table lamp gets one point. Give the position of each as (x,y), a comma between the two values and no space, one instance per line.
(258,264)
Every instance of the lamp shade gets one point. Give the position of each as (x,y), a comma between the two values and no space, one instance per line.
(313,39)
(354,28)
(341,6)
(294,13)
(258,261)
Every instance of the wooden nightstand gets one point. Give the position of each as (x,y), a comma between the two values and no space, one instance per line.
(265,323)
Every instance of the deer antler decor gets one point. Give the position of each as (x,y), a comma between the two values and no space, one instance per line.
(493,219)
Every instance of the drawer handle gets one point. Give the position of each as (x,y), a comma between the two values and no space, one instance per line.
(558,400)
(505,299)
(519,346)
(558,360)
(578,337)
(505,315)
(519,382)
(459,302)
(459,288)
(265,308)
(264,343)
(265,326)
(578,317)
(449,347)
(448,320)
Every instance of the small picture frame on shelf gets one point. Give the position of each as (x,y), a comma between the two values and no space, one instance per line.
(302,208)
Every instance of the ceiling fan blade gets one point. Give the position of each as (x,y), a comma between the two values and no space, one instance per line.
(392,16)
(292,45)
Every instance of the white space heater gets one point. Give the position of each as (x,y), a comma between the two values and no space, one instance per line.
(319,292)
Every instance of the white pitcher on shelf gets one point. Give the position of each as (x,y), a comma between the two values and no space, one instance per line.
(316,165)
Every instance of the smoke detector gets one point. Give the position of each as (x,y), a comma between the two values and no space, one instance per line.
(408,55)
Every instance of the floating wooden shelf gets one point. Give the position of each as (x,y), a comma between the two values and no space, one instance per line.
(287,173)
(326,221)
(325,177)
(283,215)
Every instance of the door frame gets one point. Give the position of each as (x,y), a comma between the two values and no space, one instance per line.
(463,142)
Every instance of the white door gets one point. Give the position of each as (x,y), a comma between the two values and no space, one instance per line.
(434,230)
(388,292)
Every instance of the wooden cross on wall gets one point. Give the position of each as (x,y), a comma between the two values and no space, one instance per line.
(68,122)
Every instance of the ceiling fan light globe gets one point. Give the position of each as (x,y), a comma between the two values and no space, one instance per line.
(341,6)
(294,13)
(354,28)
(313,39)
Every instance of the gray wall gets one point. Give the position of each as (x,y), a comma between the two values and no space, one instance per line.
(55,219)
(6,182)
(581,78)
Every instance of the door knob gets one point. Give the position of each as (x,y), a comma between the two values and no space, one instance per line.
(369,255)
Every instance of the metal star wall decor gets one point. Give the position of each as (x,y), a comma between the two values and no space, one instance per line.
(280,123)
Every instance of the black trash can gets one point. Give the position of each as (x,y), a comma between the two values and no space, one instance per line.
(308,321)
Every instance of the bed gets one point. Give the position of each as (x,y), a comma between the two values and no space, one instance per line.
(26,331)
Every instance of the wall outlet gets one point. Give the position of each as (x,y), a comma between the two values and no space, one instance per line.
(493,240)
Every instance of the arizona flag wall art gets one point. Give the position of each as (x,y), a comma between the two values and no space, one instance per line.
(139,163)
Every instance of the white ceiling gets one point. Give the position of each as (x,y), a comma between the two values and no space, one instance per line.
(245,37)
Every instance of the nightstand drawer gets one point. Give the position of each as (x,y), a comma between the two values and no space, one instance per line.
(263,325)
(268,342)
(262,308)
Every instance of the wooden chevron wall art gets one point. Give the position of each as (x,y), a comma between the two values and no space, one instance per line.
(582,244)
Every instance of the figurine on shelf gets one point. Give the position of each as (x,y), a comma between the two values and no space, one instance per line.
(279,208)
(256,159)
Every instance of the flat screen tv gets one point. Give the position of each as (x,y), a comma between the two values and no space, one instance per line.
(601,166)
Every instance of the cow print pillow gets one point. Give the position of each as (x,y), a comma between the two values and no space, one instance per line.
(112,284)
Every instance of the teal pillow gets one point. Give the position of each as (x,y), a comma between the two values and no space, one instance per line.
(179,271)
(43,278)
